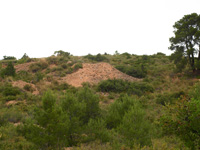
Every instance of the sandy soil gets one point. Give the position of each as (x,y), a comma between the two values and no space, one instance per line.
(21,85)
(94,73)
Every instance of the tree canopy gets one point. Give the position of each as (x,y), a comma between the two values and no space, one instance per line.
(186,42)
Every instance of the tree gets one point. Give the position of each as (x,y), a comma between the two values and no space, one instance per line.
(8,71)
(135,127)
(9,58)
(182,118)
(62,53)
(186,42)
(50,127)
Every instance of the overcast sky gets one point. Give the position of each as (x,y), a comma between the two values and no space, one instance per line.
(40,27)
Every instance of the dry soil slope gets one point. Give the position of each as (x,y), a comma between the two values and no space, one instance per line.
(94,73)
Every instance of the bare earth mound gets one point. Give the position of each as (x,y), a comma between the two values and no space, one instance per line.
(24,66)
(20,84)
(94,73)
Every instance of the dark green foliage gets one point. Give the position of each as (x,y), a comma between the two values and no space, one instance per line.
(35,67)
(11,91)
(135,127)
(60,87)
(10,140)
(8,71)
(128,117)
(97,130)
(186,42)
(29,88)
(138,72)
(25,58)
(80,107)
(24,76)
(38,76)
(117,110)
(9,58)
(98,57)
(62,53)
(168,98)
(59,125)
(117,85)
(51,128)
(77,66)
(182,119)
(91,101)
(53,60)
(127,55)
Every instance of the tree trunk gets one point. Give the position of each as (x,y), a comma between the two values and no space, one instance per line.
(198,61)
(192,63)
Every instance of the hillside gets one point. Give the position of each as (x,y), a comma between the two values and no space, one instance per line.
(105,101)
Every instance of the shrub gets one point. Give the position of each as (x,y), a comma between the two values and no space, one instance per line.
(11,91)
(51,126)
(138,72)
(9,58)
(25,58)
(29,88)
(97,58)
(8,71)
(24,76)
(35,67)
(168,98)
(97,130)
(182,119)
(38,76)
(60,87)
(118,85)
(135,126)
(77,66)
(10,139)
(117,110)
(62,53)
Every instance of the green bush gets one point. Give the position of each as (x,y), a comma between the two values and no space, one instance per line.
(182,119)
(35,67)
(118,85)
(138,72)
(135,127)
(24,76)
(8,71)
(25,58)
(29,88)
(11,140)
(77,66)
(97,130)
(9,58)
(11,91)
(50,128)
(98,57)
(38,76)
(62,86)
(168,98)
(117,110)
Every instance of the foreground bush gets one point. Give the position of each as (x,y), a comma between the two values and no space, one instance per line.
(182,119)
(118,86)
(57,125)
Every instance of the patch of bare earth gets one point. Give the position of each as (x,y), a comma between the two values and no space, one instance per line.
(94,73)
(13,102)
(24,66)
(21,85)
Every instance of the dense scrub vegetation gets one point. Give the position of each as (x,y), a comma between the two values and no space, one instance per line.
(158,112)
